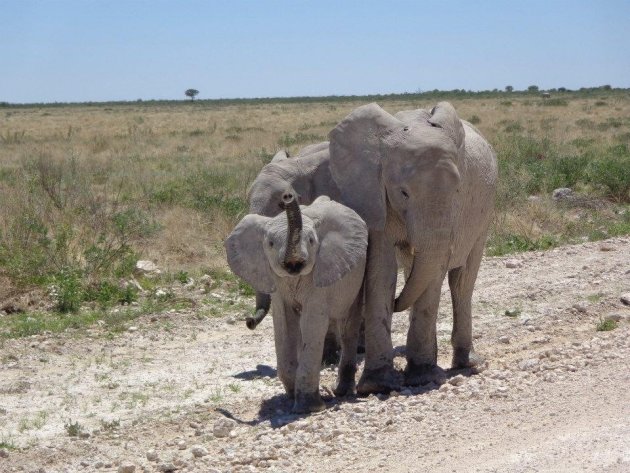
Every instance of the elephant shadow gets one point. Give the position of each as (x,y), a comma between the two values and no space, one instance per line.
(261,371)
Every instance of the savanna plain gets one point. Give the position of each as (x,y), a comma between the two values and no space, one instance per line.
(106,367)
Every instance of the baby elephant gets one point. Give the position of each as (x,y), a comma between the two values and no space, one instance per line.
(312,260)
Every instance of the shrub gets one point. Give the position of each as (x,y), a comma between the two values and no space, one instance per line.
(555,102)
(610,173)
(474,119)
(67,290)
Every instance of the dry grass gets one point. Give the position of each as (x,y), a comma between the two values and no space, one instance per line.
(186,166)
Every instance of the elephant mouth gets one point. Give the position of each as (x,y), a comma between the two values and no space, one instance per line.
(294,267)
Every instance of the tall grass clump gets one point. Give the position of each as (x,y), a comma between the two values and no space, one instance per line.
(61,230)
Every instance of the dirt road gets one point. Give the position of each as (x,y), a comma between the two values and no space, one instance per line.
(181,393)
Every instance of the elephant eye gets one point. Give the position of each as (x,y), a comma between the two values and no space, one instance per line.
(311,241)
(270,244)
(404,193)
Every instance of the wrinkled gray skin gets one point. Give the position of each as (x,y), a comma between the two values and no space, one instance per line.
(424,182)
(306,175)
(324,286)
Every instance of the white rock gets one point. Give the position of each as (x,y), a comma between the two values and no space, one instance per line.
(147,267)
(152,455)
(513,263)
(126,468)
(504,339)
(562,193)
(182,445)
(528,365)
(625,298)
(199,451)
(615,317)
(457,380)
(223,427)
(581,306)
(132,329)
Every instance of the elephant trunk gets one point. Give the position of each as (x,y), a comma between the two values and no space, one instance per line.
(423,272)
(263,302)
(294,217)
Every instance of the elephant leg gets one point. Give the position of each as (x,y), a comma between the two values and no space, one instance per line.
(287,338)
(313,326)
(380,285)
(346,385)
(422,339)
(462,281)
(331,345)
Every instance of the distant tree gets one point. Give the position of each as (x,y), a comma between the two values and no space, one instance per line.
(191,93)
(606,87)
(509,88)
(532,89)
(562,89)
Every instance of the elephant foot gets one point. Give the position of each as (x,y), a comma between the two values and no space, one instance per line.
(379,381)
(423,373)
(346,385)
(331,351)
(308,402)
(466,358)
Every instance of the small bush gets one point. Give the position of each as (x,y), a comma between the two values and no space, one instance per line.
(182,277)
(555,102)
(610,123)
(606,325)
(611,173)
(506,103)
(513,127)
(474,119)
(73,429)
(67,290)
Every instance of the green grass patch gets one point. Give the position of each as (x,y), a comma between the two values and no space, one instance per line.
(606,325)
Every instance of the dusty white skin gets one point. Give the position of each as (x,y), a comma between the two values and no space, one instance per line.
(424,183)
(314,276)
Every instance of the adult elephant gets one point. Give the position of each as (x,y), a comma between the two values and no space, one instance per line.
(424,182)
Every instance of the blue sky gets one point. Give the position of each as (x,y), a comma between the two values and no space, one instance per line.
(61,50)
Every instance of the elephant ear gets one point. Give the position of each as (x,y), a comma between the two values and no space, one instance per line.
(444,116)
(280,156)
(245,253)
(343,238)
(355,160)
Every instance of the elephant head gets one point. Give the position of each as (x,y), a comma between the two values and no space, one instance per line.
(325,239)
(403,169)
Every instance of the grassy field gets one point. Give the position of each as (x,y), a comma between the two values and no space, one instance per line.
(86,190)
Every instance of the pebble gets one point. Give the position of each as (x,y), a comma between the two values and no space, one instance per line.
(98,465)
(457,380)
(167,467)
(513,263)
(615,317)
(504,339)
(132,329)
(182,445)
(528,365)
(199,451)
(625,298)
(4,453)
(606,247)
(127,468)
(223,427)
(581,306)
(152,455)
